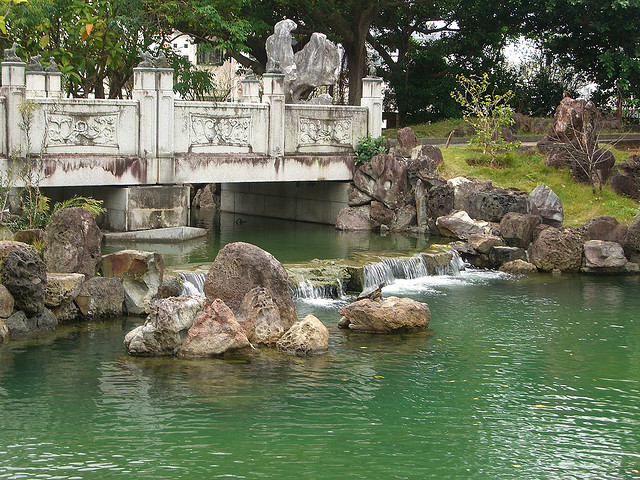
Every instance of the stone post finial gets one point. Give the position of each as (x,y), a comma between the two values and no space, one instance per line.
(10,54)
(52,67)
(34,64)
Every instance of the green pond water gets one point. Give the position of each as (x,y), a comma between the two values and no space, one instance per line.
(527,378)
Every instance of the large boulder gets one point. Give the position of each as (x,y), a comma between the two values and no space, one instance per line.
(356,197)
(484,242)
(72,242)
(380,214)
(307,337)
(544,202)
(407,138)
(603,257)
(100,297)
(166,326)
(25,276)
(498,256)
(557,249)
(7,246)
(260,318)
(354,218)
(383,178)
(213,333)
(62,288)
(604,228)
(404,218)
(493,206)
(141,274)
(463,187)
(632,240)
(517,228)
(572,119)
(625,185)
(459,225)
(387,315)
(20,325)
(238,268)
(518,267)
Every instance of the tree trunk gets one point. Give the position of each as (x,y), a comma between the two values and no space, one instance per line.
(356,60)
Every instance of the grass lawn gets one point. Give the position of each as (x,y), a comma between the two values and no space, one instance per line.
(525,171)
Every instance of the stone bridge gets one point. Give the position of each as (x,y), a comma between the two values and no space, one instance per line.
(141,155)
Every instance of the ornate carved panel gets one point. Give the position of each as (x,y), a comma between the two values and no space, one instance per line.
(209,130)
(335,132)
(82,129)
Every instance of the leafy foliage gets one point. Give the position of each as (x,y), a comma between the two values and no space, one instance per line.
(367,148)
(487,112)
(91,204)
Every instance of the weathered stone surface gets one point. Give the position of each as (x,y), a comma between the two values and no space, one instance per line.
(380,214)
(260,318)
(463,188)
(518,267)
(356,197)
(279,50)
(500,255)
(204,197)
(602,161)
(388,315)
(625,185)
(632,240)
(7,246)
(171,286)
(557,249)
(213,333)
(166,326)
(421,167)
(66,312)
(517,228)
(62,288)
(30,236)
(483,242)
(603,257)
(438,259)
(141,274)
(25,277)
(354,218)
(72,242)
(317,64)
(407,138)
(459,225)
(404,218)
(571,118)
(100,297)
(6,302)
(383,178)
(19,325)
(438,203)
(544,202)
(428,151)
(238,268)
(541,126)
(307,337)
(4,331)
(604,228)
(555,155)
(492,206)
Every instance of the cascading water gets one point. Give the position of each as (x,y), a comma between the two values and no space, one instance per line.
(192,283)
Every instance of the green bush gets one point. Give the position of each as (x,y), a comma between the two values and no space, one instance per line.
(367,148)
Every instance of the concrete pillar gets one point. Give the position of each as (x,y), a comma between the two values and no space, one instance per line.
(165,121)
(372,99)
(145,92)
(36,84)
(54,84)
(250,89)
(274,96)
(13,89)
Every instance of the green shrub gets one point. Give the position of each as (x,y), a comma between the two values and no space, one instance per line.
(367,148)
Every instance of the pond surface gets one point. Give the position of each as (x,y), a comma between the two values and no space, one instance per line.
(533,377)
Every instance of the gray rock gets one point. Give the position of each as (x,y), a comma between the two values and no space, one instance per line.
(500,255)
(6,302)
(20,325)
(493,206)
(388,315)
(354,218)
(604,228)
(557,249)
(544,202)
(279,50)
(72,242)
(632,240)
(141,274)
(603,257)
(407,138)
(100,297)
(307,337)
(384,178)
(62,288)
(459,225)
(25,277)
(517,228)
(317,64)
(356,197)
(166,326)
(66,312)
(463,188)
(483,243)
(260,318)
(238,268)
(625,185)
(518,267)
(404,218)
(213,333)
(7,246)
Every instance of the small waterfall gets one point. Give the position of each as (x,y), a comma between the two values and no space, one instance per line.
(454,268)
(305,289)
(192,283)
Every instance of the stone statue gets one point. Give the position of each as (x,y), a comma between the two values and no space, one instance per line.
(147,60)
(10,54)
(52,67)
(160,60)
(315,65)
(34,64)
